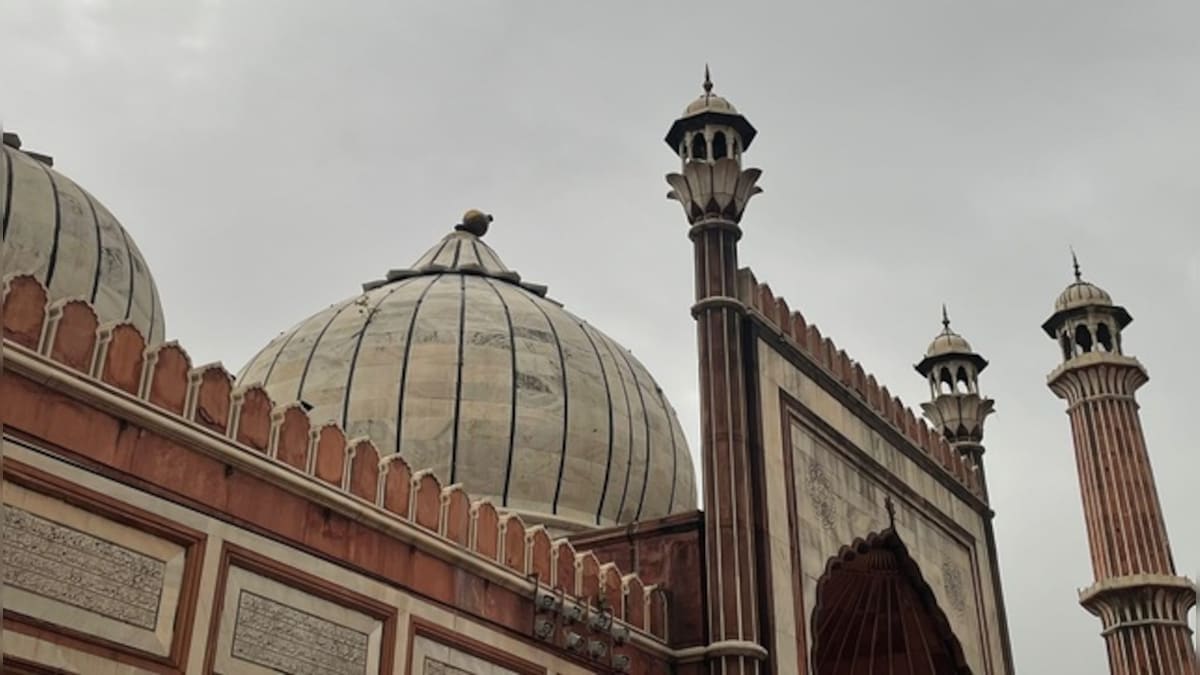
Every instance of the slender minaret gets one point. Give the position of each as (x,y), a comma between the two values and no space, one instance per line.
(1140,601)
(955,408)
(713,188)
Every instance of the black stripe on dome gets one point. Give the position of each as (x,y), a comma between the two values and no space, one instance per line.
(412,322)
(512,417)
(457,252)
(462,338)
(629,422)
(129,262)
(99,245)
(495,258)
(646,421)
(608,399)
(153,310)
(662,399)
(475,249)
(358,345)
(312,352)
(275,359)
(566,399)
(57,228)
(433,258)
(8,192)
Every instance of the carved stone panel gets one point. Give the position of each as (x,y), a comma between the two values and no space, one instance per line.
(269,627)
(73,568)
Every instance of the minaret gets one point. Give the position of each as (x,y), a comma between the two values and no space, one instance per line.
(713,188)
(1140,601)
(955,408)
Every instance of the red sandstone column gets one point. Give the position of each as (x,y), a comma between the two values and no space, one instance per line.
(1137,595)
(714,190)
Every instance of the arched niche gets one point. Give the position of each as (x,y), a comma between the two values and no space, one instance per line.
(876,614)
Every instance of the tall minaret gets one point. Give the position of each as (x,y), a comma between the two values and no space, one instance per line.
(955,408)
(1141,602)
(710,138)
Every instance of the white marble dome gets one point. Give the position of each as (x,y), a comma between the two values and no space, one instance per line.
(58,232)
(461,367)
(1081,294)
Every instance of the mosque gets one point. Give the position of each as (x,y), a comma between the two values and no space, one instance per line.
(450,473)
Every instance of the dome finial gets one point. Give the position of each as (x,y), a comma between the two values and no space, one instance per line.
(475,222)
(945,318)
(707,81)
(1075,264)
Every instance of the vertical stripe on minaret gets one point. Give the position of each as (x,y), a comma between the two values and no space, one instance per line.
(714,190)
(1143,605)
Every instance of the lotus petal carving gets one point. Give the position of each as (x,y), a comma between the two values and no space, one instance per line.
(717,190)
(959,417)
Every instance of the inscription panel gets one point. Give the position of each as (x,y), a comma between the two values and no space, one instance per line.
(270,627)
(279,636)
(80,570)
(61,563)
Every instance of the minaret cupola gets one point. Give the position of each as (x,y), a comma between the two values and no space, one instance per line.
(1085,320)
(956,408)
(710,129)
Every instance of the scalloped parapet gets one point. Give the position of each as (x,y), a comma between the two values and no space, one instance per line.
(162,377)
(821,350)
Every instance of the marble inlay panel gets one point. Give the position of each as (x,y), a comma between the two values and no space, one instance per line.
(271,627)
(75,568)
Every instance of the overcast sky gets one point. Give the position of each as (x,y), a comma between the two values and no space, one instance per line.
(270,156)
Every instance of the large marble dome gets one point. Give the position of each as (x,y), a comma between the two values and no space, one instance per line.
(461,367)
(58,232)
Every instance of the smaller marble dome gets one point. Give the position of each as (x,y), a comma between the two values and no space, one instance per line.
(709,102)
(1082,294)
(58,232)
(460,366)
(949,346)
(948,342)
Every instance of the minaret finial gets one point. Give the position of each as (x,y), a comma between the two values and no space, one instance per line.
(707,81)
(891,511)
(945,318)
(1075,263)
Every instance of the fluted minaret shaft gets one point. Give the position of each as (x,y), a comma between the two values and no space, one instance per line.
(1142,603)
(728,506)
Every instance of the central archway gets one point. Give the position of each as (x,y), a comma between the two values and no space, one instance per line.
(875,615)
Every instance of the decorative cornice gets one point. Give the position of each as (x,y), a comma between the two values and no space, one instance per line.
(1097,374)
(1140,600)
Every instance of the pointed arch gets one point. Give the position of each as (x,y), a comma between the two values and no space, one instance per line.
(962,381)
(1083,338)
(699,146)
(1104,337)
(720,149)
(875,613)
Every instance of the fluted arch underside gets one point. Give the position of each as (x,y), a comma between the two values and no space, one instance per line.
(875,615)
(493,386)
